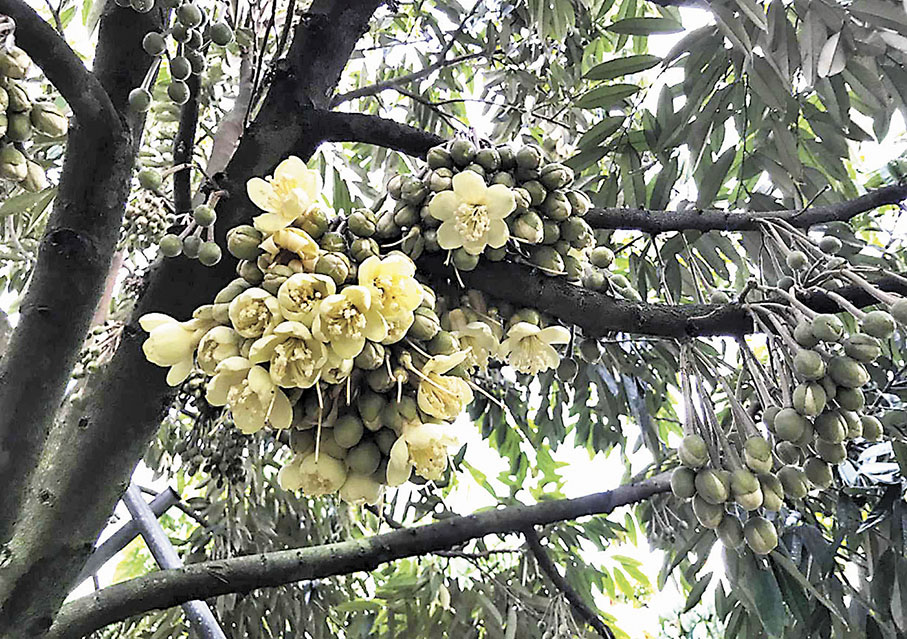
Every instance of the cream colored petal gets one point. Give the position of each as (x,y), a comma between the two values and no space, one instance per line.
(474,247)
(376,328)
(401,264)
(291,169)
(348,347)
(470,186)
(260,382)
(399,467)
(448,236)
(248,421)
(554,335)
(499,201)
(263,348)
(269,222)
(261,193)
(368,270)
(521,330)
(359,296)
(179,372)
(281,414)
(550,357)
(236,365)
(151,321)
(498,234)
(443,205)
(218,387)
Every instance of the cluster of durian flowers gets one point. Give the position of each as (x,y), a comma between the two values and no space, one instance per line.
(327,335)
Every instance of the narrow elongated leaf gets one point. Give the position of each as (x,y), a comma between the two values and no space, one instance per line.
(831,59)
(600,131)
(645,26)
(754,12)
(606,96)
(696,593)
(622,66)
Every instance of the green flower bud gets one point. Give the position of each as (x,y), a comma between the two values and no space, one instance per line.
(4,123)
(709,515)
(833,453)
(529,157)
(862,347)
(495,254)
(178,91)
(577,232)
(529,227)
(181,33)
(601,256)
(730,532)
(180,68)
(192,244)
(171,245)
(18,127)
(332,242)
(35,178)
(786,283)
(444,343)
(249,271)
(567,370)
(406,216)
(154,44)
(556,206)
(595,280)
(618,281)
(462,152)
(363,248)
(760,534)
(361,222)
(364,458)
(683,482)
(872,428)
(243,241)
(898,310)
(221,33)
(818,472)
(851,398)
(827,327)
(413,191)
(719,298)
(853,422)
(464,261)
(551,232)
(14,63)
(797,260)
(275,276)
(413,244)
(230,291)
(204,215)
(793,480)
(348,430)
(370,405)
(439,157)
(209,254)
(693,451)
(573,268)
(790,425)
(803,335)
(555,176)
(488,159)
(18,98)
(13,164)
(503,177)
(48,119)
(523,199)
(4,99)
(425,325)
(768,416)
(547,259)
(508,157)
(579,202)
(142,6)
(591,351)
(150,179)
(809,398)
(788,452)
(809,365)
(537,193)
(757,454)
(831,427)
(189,14)
(878,324)
(139,100)
(371,357)
(830,244)
(847,372)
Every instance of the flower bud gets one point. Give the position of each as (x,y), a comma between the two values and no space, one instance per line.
(243,241)
(827,327)
(13,164)
(818,472)
(567,370)
(683,482)
(898,310)
(522,199)
(529,227)
(730,532)
(601,256)
(830,244)
(440,180)
(249,271)
(18,127)
(334,265)
(551,232)
(862,347)
(413,243)
(847,372)
(362,248)
(230,291)
(693,452)
(757,453)
(221,33)
(150,179)
(793,480)
(797,260)
(362,223)
(529,157)
(537,192)
(439,157)
(275,276)
(595,280)
(555,176)
(14,63)
(556,206)
(154,44)
(35,179)
(371,357)
(444,343)
(760,534)
(425,325)
(503,177)
(204,215)
(18,98)
(332,242)
(833,453)
(180,68)
(809,365)
(548,260)
(803,335)
(4,123)
(809,399)
(872,428)
(772,493)
(579,202)
(708,514)
(139,100)
(369,405)
(462,152)
(878,324)
(465,261)
(413,191)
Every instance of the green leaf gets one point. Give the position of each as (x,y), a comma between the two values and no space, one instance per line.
(35,203)
(696,593)
(645,26)
(622,66)
(600,131)
(900,454)
(793,571)
(767,596)
(714,177)
(606,96)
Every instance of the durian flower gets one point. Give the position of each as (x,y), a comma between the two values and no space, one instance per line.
(301,294)
(397,328)
(420,447)
(476,338)
(254,312)
(296,357)
(284,196)
(336,369)
(472,215)
(322,475)
(295,241)
(443,396)
(392,284)
(253,398)
(361,489)
(529,349)
(172,343)
(346,319)
(215,346)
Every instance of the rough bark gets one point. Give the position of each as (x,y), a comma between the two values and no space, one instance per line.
(241,574)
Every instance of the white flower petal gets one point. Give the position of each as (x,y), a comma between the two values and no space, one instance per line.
(470,186)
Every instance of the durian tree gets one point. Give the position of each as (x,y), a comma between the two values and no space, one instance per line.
(290,256)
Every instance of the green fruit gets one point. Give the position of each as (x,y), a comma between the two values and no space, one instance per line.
(809,399)
(761,536)
(221,33)
(196,61)
(139,100)
(803,335)
(898,310)
(178,91)
(154,44)
(181,33)
(851,399)
(710,486)
(364,457)
(693,452)
(793,480)
(709,515)
(862,347)
(847,372)
(567,370)
(809,364)
(180,68)
(591,351)
(878,324)
(462,152)
(150,179)
(797,260)
(209,254)
(204,215)
(818,472)
(772,492)
(730,532)
(595,280)
(601,256)
(831,427)
(790,425)
(683,482)
(827,327)
(830,452)
(872,428)
(191,246)
(189,14)
(171,245)
(788,452)
(830,244)
(348,431)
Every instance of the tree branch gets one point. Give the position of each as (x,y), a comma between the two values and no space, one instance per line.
(63,69)
(230,128)
(172,587)
(183,146)
(714,219)
(547,565)
(373,129)
(399,81)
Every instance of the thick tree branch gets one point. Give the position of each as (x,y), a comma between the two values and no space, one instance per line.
(78,86)
(373,129)
(230,128)
(183,146)
(713,219)
(242,574)
(547,566)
